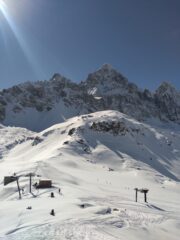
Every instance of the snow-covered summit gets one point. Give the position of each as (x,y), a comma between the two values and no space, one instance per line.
(122,135)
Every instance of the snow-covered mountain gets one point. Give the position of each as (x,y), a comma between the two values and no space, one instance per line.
(39,105)
(97,141)
(97,160)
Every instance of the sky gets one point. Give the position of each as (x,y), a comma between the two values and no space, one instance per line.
(139,38)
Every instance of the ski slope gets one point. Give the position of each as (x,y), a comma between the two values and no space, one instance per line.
(97,160)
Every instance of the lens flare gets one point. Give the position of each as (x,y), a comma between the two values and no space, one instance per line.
(2,5)
(19,37)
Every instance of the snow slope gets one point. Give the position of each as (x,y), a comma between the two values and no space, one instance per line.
(12,136)
(97,160)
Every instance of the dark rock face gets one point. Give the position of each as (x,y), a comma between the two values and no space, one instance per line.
(112,127)
(71,131)
(105,89)
(2,108)
(168,101)
(36,141)
(2,112)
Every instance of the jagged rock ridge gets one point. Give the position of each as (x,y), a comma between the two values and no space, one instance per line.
(41,104)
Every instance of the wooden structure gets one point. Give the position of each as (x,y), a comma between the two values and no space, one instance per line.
(44,183)
(9,179)
(14,178)
(30,175)
(142,190)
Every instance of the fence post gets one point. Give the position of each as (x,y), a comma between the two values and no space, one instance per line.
(136,194)
(17,180)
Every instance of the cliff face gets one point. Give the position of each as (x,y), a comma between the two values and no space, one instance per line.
(40,104)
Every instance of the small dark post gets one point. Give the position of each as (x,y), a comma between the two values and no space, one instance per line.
(52,212)
(19,190)
(145,191)
(52,195)
(145,195)
(30,182)
(136,190)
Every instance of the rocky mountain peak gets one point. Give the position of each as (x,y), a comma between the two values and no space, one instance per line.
(56,77)
(167,99)
(166,88)
(106,88)
(106,73)
(105,80)
(107,67)
(167,93)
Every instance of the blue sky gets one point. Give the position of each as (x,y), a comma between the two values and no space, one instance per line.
(140,38)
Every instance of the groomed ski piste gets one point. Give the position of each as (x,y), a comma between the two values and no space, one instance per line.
(96,160)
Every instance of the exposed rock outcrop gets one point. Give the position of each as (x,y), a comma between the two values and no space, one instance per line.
(53,101)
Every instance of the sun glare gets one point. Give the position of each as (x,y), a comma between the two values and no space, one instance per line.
(5,11)
(1,3)
(2,7)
